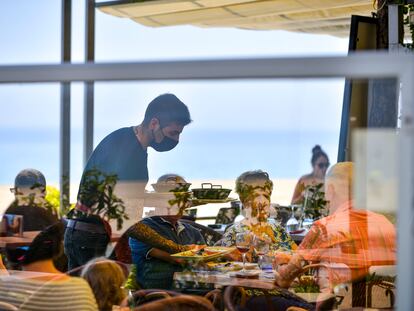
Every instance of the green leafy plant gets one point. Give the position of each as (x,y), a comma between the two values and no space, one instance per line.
(97,194)
(181,198)
(306,284)
(315,203)
(407,9)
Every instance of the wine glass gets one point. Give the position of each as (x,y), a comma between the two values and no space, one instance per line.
(243,241)
(307,222)
(292,224)
(261,247)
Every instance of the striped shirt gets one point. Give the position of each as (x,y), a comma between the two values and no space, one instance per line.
(35,295)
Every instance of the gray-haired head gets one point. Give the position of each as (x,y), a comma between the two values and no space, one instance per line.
(30,178)
(250,180)
(338,184)
(29,185)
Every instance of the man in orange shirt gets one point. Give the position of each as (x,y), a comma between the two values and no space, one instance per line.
(348,241)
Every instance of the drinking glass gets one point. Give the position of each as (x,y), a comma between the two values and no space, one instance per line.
(261,247)
(243,241)
(307,223)
(292,224)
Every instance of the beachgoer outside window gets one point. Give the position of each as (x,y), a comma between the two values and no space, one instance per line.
(320,164)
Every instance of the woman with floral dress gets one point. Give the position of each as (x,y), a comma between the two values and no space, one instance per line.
(254,189)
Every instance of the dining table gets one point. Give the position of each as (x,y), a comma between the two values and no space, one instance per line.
(219,279)
(196,282)
(28,236)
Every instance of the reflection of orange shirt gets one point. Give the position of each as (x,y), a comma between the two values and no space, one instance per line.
(356,238)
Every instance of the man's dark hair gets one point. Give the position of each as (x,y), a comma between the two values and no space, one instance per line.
(48,244)
(167,108)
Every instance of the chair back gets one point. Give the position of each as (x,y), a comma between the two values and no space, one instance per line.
(122,251)
(183,302)
(209,235)
(144,296)
(234,296)
(263,300)
(226,215)
(215,296)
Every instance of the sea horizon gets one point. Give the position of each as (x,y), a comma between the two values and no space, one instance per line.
(282,193)
(201,154)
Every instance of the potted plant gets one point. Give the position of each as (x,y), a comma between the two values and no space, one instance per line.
(306,286)
(98,198)
(314,206)
(181,198)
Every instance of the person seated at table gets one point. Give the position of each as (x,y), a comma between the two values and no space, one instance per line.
(320,164)
(254,189)
(353,238)
(41,286)
(155,266)
(106,278)
(29,193)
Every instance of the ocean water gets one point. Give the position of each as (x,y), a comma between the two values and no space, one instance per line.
(216,156)
(201,154)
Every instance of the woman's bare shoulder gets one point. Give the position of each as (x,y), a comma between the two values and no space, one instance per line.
(305,178)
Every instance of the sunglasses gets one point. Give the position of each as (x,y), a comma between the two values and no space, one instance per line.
(323,165)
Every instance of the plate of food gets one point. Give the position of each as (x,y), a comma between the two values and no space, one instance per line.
(230,266)
(205,254)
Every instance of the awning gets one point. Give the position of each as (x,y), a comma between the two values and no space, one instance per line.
(309,16)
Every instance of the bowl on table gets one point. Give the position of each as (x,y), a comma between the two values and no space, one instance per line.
(209,191)
(171,187)
(171,183)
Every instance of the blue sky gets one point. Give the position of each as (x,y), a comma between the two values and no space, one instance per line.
(226,110)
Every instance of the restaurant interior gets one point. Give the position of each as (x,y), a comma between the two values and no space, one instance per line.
(259,206)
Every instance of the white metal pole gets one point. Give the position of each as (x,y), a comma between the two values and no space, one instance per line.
(393,36)
(405,255)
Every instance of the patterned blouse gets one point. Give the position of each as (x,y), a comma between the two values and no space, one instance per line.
(283,240)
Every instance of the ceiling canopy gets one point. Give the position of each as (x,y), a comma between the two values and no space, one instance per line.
(309,16)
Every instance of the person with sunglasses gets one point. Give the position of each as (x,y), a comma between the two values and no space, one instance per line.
(30,201)
(320,164)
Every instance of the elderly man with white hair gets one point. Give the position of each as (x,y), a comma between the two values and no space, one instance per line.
(353,238)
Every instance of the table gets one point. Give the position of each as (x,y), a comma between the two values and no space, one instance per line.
(28,237)
(221,279)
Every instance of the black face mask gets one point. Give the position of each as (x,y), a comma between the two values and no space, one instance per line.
(166,144)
